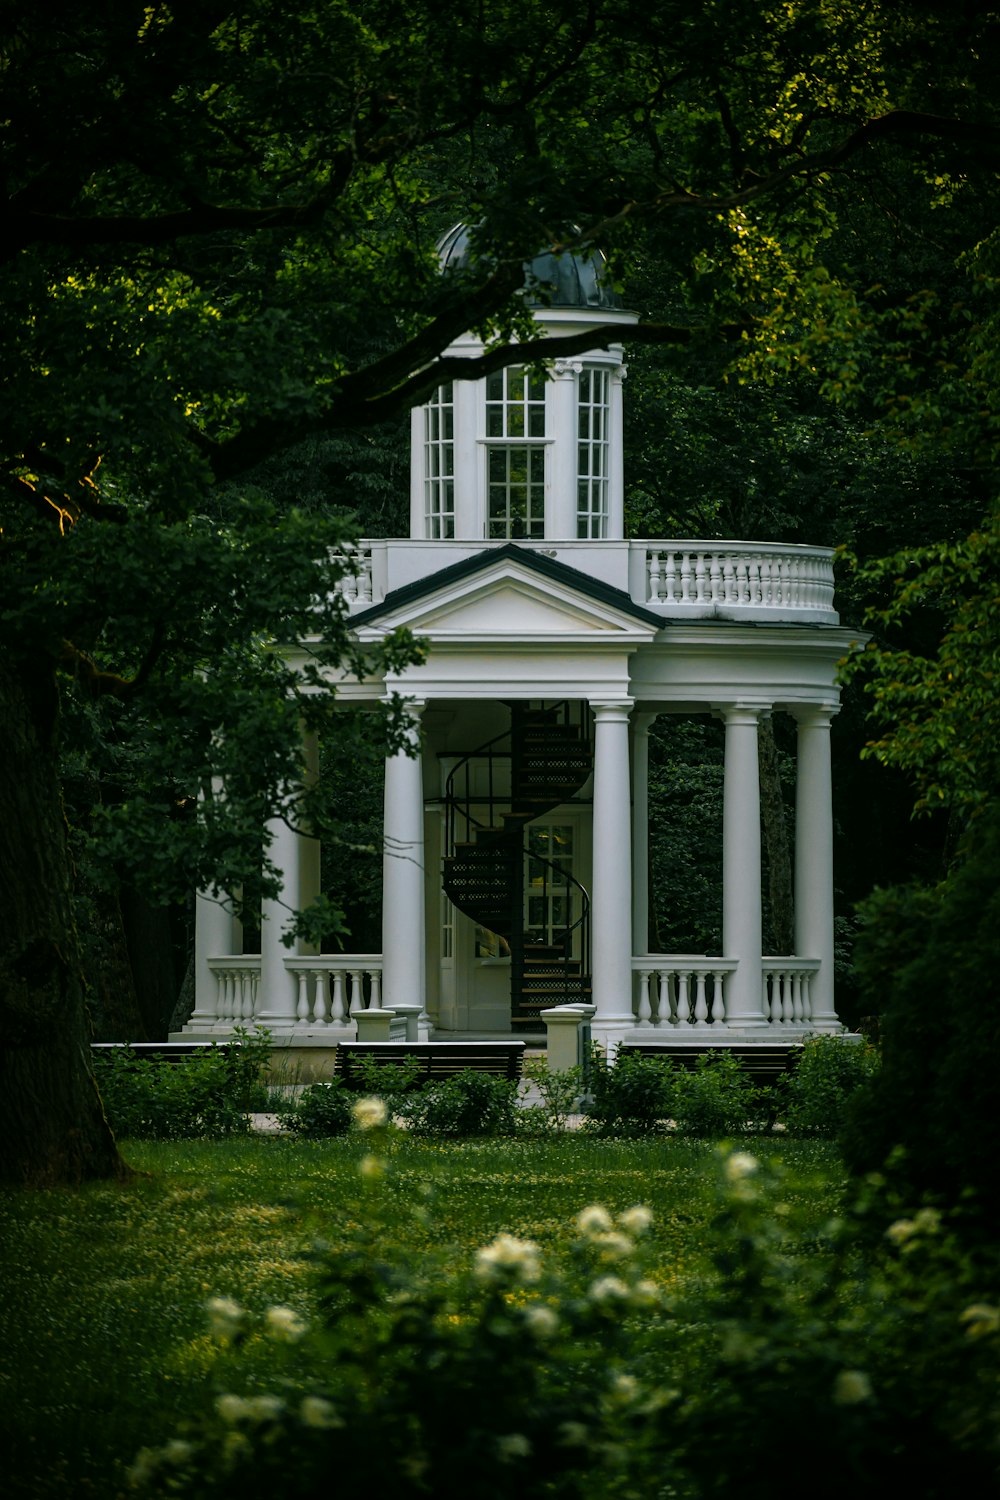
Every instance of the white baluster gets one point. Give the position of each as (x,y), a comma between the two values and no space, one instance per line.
(699,579)
(321,998)
(683,1005)
(245,995)
(644,1012)
(715,571)
(337,1012)
(701,1002)
(365,580)
(718,999)
(375,975)
(753,581)
(742,590)
(766,998)
(302,1008)
(767,590)
(685,578)
(357,992)
(668,579)
(653,575)
(806,996)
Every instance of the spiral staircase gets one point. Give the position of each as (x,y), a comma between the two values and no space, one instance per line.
(491,797)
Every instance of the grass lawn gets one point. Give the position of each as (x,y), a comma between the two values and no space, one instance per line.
(103,1338)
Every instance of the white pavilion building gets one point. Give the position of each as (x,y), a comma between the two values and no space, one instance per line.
(516,842)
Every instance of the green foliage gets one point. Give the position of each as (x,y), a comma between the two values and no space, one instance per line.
(559,1095)
(464,1107)
(633,1097)
(566,1369)
(207,1094)
(716,1097)
(817,1095)
(321,1111)
(935,1095)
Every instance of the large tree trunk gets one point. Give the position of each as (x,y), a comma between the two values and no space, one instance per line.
(53,1126)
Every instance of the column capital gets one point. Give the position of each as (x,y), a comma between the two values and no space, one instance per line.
(815,715)
(741,712)
(565,369)
(610,711)
(643,722)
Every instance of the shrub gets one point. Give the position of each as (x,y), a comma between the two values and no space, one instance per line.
(321,1111)
(469,1104)
(829,1072)
(716,1097)
(582,1372)
(559,1094)
(206,1094)
(633,1097)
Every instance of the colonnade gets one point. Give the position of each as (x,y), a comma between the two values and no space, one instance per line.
(619,892)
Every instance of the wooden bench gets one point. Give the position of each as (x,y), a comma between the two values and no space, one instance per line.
(764,1064)
(438,1060)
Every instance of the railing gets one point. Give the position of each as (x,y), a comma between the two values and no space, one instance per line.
(330,987)
(356,584)
(739,575)
(237,984)
(785,998)
(682,989)
(333,987)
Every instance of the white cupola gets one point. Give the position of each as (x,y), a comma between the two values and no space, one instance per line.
(523,455)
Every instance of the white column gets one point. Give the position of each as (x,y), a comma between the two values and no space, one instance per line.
(741,900)
(611,886)
(213,938)
(403,956)
(814,859)
(276,1006)
(562,425)
(641,724)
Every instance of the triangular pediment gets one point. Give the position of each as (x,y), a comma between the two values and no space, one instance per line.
(509,600)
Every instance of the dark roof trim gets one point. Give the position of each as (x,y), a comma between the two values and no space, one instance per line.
(546,567)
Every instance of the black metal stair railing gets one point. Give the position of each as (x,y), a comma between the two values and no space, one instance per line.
(546,760)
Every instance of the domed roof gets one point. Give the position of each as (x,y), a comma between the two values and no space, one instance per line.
(568,280)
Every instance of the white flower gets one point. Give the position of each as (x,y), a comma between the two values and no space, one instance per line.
(613,1246)
(509,1254)
(609,1289)
(541,1320)
(636,1220)
(513,1445)
(265,1408)
(224,1317)
(901,1231)
(372,1167)
(284,1323)
(316,1411)
(370,1113)
(177,1451)
(739,1165)
(928,1220)
(981,1319)
(144,1467)
(232,1409)
(851,1387)
(573,1435)
(592,1220)
(646,1293)
(624,1388)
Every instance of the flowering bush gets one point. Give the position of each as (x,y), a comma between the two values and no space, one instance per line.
(569,1370)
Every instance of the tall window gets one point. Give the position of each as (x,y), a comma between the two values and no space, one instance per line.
(592,455)
(548,905)
(515,456)
(439,465)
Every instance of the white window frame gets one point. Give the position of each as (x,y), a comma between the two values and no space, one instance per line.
(515,443)
(593,496)
(439,465)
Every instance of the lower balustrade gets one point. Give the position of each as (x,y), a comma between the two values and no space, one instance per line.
(329,988)
(690,989)
(785,997)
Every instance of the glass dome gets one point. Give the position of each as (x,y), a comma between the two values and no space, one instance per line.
(569,280)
